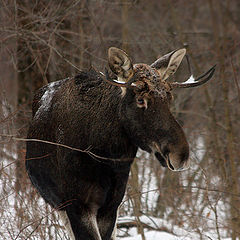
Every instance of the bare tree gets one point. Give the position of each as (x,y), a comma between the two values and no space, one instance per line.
(43,41)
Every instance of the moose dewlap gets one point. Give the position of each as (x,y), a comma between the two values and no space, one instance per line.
(89,129)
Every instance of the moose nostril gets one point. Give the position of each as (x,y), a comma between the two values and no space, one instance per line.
(178,162)
(169,164)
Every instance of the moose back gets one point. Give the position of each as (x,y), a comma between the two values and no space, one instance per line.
(87,130)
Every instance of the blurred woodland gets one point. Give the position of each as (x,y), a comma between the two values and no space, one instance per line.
(43,41)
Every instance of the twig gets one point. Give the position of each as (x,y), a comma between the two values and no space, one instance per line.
(96,157)
(133,223)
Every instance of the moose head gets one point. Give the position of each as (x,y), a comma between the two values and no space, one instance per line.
(146,96)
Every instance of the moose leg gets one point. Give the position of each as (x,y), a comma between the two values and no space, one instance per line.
(83,223)
(106,220)
(107,214)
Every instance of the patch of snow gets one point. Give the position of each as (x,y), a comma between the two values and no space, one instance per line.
(5,110)
(119,81)
(178,233)
(157,235)
(153,235)
(200,148)
(190,80)
(47,97)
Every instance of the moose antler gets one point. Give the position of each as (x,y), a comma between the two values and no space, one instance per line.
(191,82)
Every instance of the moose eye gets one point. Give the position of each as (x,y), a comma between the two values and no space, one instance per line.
(140,101)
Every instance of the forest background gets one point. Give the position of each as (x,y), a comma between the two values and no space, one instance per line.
(43,41)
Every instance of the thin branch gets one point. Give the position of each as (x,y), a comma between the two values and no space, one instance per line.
(134,223)
(235,79)
(96,157)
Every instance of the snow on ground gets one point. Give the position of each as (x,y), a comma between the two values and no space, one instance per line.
(172,232)
(153,235)
(177,233)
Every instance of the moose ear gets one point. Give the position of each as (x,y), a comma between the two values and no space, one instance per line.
(120,63)
(169,63)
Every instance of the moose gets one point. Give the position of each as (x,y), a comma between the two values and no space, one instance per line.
(86,130)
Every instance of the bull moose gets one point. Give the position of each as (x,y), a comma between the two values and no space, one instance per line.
(86,130)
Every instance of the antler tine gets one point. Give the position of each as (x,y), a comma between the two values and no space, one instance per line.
(189,65)
(118,84)
(203,78)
